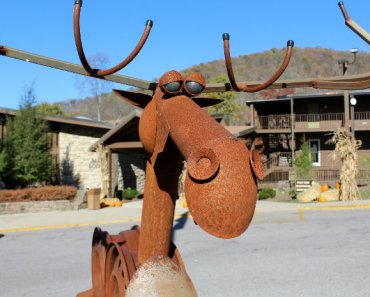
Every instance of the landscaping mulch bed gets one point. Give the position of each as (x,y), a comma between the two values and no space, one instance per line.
(49,193)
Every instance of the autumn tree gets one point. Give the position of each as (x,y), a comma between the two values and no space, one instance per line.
(47,108)
(230,108)
(96,86)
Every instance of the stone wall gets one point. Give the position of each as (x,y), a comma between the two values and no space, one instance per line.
(79,166)
(35,206)
(42,206)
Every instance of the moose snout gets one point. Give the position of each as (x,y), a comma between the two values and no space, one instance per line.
(219,188)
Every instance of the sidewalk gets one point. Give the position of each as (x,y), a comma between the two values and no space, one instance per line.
(131,212)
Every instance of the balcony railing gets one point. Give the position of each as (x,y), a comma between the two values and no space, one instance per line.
(362,115)
(279,121)
(306,121)
(321,117)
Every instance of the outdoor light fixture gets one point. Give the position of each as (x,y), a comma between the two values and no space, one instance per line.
(353,102)
(345,62)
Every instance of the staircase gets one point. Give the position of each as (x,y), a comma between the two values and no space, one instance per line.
(277,167)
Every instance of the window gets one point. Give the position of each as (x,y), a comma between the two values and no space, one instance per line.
(314,145)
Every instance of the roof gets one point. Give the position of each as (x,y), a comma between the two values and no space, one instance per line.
(240,131)
(310,96)
(125,134)
(123,131)
(65,120)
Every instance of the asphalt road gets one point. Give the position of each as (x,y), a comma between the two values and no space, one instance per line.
(320,253)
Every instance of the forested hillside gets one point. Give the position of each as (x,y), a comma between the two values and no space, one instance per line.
(306,62)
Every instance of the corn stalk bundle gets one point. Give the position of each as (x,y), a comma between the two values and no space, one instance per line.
(346,147)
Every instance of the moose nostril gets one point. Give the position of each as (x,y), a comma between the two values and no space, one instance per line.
(203,164)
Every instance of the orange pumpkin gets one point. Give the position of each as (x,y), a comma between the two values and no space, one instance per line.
(118,203)
(322,199)
(324,188)
(337,186)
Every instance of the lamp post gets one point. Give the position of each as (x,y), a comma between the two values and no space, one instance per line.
(353,102)
(345,64)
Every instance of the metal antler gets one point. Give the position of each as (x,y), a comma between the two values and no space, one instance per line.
(81,54)
(353,25)
(245,88)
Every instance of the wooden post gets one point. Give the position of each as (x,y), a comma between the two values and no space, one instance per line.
(110,190)
(252,115)
(292,124)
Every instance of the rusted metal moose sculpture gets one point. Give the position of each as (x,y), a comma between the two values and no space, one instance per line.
(220,185)
(221,178)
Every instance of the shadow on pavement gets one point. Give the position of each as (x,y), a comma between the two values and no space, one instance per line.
(2,235)
(179,223)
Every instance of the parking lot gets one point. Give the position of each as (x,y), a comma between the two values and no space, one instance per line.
(286,253)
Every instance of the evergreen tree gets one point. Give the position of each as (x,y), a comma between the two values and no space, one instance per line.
(25,154)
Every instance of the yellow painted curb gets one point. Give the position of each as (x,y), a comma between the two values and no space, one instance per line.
(96,223)
(61,226)
(338,207)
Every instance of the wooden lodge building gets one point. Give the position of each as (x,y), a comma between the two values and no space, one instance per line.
(91,154)
(283,122)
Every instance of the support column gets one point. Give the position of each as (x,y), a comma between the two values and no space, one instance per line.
(252,115)
(346,109)
(110,182)
(292,125)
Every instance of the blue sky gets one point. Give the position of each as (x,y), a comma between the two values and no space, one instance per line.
(185,33)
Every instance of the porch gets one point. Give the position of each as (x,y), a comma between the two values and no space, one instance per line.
(280,167)
(282,123)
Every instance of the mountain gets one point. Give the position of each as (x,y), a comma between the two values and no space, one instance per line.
(305,62)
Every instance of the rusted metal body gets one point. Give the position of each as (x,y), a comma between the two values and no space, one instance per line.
(220,184)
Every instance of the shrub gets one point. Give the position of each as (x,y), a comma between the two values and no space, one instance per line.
(302,161)
(266,193)
(129,193)
(292,193)
(39,194)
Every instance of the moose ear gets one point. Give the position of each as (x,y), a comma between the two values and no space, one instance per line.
(136,99)
(205,102)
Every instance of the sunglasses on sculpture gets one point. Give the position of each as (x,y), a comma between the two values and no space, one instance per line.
(191,88)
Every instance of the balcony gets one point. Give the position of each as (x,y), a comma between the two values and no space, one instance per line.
(318,122)
(310,122)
